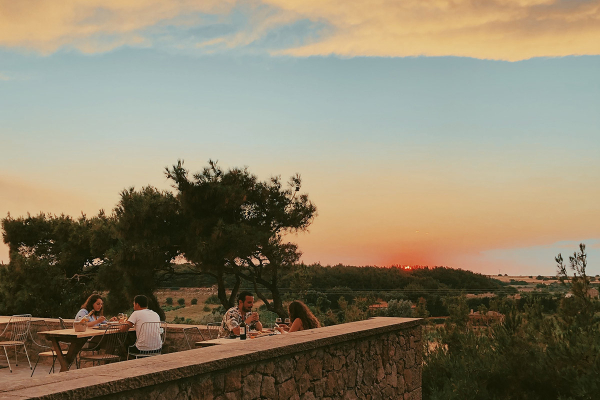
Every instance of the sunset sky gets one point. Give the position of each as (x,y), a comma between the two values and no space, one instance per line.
(438,132)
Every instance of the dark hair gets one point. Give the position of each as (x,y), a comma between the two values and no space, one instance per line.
(298,309)
(89,305)
(242,296)
(141,300)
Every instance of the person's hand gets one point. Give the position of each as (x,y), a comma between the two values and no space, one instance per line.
(113,319)
(101,319)
(252,318)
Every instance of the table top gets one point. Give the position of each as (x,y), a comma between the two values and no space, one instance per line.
(89,332)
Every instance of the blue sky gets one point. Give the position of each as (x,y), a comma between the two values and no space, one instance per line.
(443,159)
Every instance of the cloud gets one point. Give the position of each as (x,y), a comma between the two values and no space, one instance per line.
(492,29)
(497,29)
(5,77)
(93,25)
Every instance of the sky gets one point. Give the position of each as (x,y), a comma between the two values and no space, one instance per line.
(439,132)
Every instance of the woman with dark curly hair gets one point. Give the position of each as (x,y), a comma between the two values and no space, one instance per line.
(93,309)
(301,316)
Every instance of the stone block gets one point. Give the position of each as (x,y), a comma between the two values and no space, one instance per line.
(414,395)
(251,387)
(233,380)
(267,388)
(303,383)
(284,370)
(286,390)
(315,368)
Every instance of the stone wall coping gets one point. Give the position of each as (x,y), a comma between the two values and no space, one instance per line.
(135,374)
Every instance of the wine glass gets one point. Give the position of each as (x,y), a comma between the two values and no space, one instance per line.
(287,321)
(277,321)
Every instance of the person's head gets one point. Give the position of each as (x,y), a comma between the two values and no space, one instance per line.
(140,302)
(298,309)
(94,305)
(245,301)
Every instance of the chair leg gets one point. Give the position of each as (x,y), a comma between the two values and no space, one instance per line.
(35,366)
(27,355)
(53,362)
(7,360)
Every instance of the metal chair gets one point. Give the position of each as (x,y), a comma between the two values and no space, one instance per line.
(47,353)
(151,336)
(213,330)
(18,327)
(110,347)
(192,335)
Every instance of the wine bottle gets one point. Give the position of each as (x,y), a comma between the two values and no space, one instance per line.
(243,330)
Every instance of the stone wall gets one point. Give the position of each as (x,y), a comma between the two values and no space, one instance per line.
(375,359)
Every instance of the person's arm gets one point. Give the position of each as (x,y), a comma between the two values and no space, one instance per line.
(296,325)
(96,321)
(126,326)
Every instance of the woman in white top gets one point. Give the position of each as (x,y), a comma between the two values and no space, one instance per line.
(93,308)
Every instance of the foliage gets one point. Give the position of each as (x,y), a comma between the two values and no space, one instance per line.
(181,301)
(399,308)
(169,300)
(206,308)
(234,225)
(194,301)
(53,262)
(213,299)
(528,356)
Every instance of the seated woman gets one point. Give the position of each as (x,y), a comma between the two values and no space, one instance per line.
(302,318)
(93,308)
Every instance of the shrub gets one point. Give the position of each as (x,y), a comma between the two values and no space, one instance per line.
(194,301)
(206,308)
(169,301)
(213,299)
(181,301)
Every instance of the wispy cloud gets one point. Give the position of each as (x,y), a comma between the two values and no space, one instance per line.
(493,29)
(5,77)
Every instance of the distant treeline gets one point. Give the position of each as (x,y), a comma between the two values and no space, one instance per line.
(319,277)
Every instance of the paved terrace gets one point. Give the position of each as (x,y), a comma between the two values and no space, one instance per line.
(378,358)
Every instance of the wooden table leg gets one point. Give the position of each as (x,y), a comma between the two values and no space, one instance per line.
(74,348)
(59,355)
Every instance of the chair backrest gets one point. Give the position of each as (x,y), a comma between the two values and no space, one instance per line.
(213,329)
(151,336)
(113,340)
(192,335)
(19,327)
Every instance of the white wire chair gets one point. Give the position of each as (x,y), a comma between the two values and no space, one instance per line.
(110,347)
(48,350)
(151,337)
(213,329)
(192,335)
(18,330)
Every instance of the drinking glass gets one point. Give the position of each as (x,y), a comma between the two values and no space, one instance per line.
(287,321)
(277,321)
(121,317)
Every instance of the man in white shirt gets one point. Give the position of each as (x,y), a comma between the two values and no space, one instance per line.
(147,339)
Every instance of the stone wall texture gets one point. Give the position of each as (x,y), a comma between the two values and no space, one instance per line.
(375,359)
(386,366)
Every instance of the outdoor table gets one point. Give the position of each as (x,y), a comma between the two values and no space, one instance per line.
(76,341)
